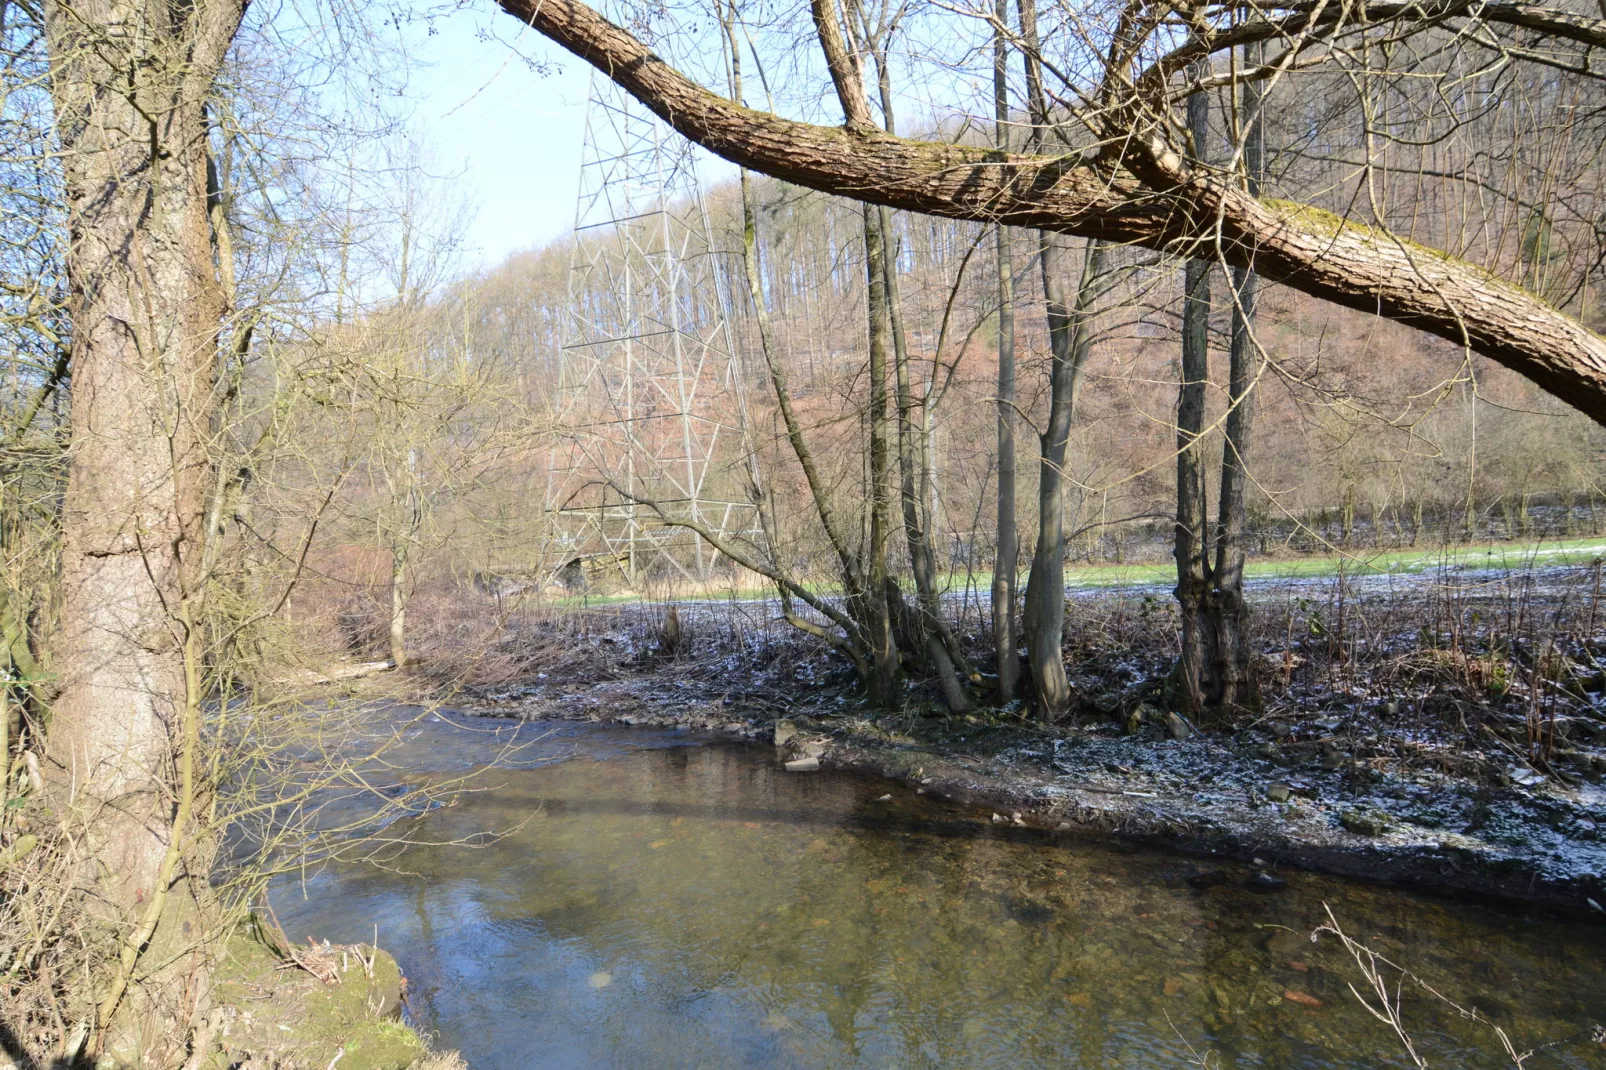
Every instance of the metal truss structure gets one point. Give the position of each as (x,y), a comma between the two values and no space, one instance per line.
(651,408)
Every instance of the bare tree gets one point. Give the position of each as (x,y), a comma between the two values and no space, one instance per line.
(1070,342)
(1132,182)
(1193,591)
(131,85)
(1006,564)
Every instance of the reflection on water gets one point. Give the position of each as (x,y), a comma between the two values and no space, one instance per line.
(667,905)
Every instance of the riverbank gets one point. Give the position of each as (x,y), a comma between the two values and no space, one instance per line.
(1446,732)
(1317,801)
(315,1006)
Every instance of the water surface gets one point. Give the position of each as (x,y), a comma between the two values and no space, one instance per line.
(660,902)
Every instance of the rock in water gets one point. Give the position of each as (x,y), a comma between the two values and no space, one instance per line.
(785,732)
(1179,726)
(600,980)
(1278,792)
(803,765)
(1265,882)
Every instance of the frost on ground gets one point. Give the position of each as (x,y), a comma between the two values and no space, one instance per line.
(1447,732)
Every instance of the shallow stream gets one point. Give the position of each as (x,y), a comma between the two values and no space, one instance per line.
(663,901)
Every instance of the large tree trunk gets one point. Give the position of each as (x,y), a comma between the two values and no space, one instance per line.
(1149,197)
(130,85)
(400,579)
(403,544)
(1069,342)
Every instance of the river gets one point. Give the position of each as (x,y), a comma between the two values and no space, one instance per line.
(659,900)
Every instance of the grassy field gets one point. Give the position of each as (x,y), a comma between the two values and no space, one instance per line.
(1499,556)
(1496,556)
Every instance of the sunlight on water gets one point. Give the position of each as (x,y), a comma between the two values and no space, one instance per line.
(669,905)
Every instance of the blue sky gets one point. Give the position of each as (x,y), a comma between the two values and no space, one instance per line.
(510,135)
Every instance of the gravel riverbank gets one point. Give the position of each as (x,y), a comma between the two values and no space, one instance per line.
(1316,798)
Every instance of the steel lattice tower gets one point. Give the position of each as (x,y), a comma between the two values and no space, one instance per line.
(650,399)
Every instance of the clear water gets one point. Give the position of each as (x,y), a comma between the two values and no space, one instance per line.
(658,902)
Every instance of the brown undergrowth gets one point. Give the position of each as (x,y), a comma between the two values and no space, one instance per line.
(1485,672)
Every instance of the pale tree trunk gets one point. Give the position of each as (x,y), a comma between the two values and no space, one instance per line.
(403,543)
(400,577)
(1070,341)
(1193,592)
(130,84)
(875,610)
(936,640)
(146,311)
(1006,560)
(1234,680)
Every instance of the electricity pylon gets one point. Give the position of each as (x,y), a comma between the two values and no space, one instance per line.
(651,409)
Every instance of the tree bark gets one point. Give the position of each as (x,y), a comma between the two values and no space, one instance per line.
(1149,198)
(1234,671)
(1006,559)
(1192,551)
(130,83)
(399,579)
(875,612)
(1070,342)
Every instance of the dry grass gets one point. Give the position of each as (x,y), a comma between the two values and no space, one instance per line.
(48,940)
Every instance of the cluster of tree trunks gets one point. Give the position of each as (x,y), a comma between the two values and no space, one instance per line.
(1147,194)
